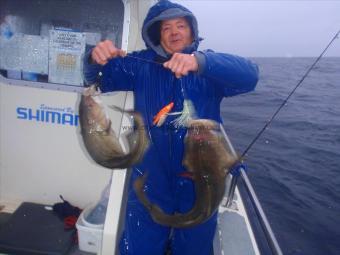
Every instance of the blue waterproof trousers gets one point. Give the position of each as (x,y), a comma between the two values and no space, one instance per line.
(143,236)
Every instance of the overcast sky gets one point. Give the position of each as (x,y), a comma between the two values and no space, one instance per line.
(268,28)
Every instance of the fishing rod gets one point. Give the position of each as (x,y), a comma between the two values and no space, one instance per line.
(287,98)
(259,134)
(273,244)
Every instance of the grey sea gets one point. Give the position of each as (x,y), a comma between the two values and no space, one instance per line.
(295,165)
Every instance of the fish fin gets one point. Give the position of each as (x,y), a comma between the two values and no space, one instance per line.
(109,126)
(119,109)
(187,174)
(116,108)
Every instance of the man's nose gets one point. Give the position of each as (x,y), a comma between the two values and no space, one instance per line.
(174,31)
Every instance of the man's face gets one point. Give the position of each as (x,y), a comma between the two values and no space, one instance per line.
(175,35)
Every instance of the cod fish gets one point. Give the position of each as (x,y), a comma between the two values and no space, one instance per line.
(99,138)
(208,162)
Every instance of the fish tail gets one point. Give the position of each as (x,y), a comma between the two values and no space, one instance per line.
(155,211)
(190,219)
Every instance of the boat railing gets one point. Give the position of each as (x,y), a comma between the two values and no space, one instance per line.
(232,182)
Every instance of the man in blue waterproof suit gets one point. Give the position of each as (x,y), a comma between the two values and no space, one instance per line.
(181,73)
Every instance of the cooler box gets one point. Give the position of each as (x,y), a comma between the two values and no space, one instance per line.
(89,235)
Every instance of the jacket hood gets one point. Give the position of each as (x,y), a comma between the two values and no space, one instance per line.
(164,10)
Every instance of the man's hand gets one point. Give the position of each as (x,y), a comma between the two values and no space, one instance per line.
(181,64)
(104,51)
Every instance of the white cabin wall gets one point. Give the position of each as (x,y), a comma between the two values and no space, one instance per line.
(41,160)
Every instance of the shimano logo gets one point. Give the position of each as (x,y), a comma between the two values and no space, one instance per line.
(47,114)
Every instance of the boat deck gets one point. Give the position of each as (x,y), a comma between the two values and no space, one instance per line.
(234,235)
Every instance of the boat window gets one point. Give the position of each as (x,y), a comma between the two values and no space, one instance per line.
(45,169)
(45,40)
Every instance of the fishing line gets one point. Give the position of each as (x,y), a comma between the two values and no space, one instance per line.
(184,114)
(121,128)
(187,105)
(126,93)
(144,59)
(287,98)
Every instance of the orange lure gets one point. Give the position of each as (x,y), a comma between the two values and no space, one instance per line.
(160,117)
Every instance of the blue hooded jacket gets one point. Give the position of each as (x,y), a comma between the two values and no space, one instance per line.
(220,75)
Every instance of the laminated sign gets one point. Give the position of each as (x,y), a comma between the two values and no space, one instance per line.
(65,57)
